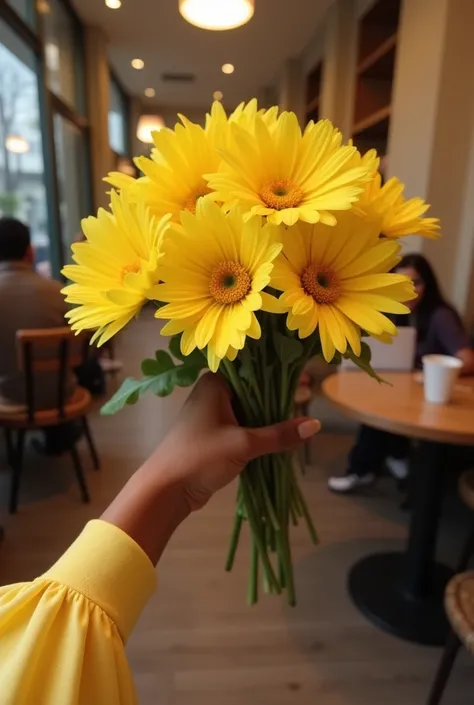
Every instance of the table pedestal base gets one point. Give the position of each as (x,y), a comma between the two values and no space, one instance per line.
(375,585)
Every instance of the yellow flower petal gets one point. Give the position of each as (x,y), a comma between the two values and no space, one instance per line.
(115,267)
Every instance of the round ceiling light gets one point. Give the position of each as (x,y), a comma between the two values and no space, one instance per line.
(148,124)
(217,14)
(113,4)
(150,92)
(228,68)
(138,63)
(17,144)
(43,7)
(217,95)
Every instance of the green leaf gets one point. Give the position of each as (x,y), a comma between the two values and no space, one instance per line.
(363,361)
(127,394)
(150,367)
(186,375)
(197,357)
(161,363)
(166,375)
(164,360)
(133,398)
(288,349)
(175,347)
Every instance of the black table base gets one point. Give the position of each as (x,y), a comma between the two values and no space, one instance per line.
(376,588)
(403,593)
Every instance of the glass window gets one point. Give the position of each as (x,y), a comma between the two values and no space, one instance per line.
(71,170)
(22,190)
(117,118)
(26,8)
(62,50)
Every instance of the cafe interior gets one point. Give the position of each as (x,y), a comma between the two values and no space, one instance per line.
(384,597)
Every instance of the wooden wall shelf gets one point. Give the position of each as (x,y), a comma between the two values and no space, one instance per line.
(313,92)
(375,73)
(380,62)
(313,104)
(372,122)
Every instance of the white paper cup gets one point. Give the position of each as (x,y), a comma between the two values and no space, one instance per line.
(440,374)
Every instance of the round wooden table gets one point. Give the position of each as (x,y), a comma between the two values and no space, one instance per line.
(403,592)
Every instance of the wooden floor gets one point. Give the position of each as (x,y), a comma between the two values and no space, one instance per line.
(197,642)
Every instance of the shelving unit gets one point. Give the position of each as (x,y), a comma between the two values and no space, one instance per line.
(313,93)
(374,75)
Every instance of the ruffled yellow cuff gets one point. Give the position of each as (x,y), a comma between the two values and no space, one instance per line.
(111,570)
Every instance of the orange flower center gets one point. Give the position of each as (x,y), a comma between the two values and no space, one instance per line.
(230,282)
(130,269)
(320,283)
(280,194)
(190,203)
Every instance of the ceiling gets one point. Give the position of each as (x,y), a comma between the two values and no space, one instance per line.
(154,31)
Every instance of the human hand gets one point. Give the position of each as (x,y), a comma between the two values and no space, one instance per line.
(206,448)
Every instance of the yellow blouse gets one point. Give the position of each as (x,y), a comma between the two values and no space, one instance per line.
(62,636)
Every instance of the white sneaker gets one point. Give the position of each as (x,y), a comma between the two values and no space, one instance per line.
(398,467)
(349,483)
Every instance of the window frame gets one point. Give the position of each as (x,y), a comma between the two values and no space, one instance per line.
(125,100)
(49,104)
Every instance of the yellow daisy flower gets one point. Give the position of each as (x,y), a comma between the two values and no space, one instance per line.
(215,268)
(115,267)
(288,176)
(337,280)
(244,115)
(396,215)
(174,173)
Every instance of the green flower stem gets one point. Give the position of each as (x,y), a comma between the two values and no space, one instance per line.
(268,502)
(234,541)
(284,391)
(256,528)
(294,514)
(244,399)
(270,498)
(252,595)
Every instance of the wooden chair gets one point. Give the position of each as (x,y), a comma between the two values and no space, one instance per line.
(466,491)
(459,603)
(54,350)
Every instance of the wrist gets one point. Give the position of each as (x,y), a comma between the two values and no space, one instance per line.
(163,489)
(149,509)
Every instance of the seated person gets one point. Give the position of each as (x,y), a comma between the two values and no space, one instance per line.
(28,300)
(439,331)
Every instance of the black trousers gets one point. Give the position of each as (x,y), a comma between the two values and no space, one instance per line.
(372,447)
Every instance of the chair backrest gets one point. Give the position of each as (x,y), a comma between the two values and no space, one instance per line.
(50,350)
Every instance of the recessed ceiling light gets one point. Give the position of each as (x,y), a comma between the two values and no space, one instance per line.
(217,95)
(228,68)
(43,7)
(113,4)
(150,92)
(138,63)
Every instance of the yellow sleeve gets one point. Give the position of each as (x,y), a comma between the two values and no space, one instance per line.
(62,636)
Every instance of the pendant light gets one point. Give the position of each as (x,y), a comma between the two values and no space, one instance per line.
(217,14)
(148,124)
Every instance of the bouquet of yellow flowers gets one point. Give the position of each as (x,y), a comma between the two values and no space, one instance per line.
(261,246)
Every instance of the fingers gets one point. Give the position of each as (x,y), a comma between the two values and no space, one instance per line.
(281,437)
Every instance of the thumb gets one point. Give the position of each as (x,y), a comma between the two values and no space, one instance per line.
(280,437)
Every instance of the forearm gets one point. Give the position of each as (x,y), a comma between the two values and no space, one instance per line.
(149,509)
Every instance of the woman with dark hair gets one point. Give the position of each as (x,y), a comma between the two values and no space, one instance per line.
(439,331)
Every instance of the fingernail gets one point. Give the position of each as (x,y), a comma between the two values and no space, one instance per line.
(308,429)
